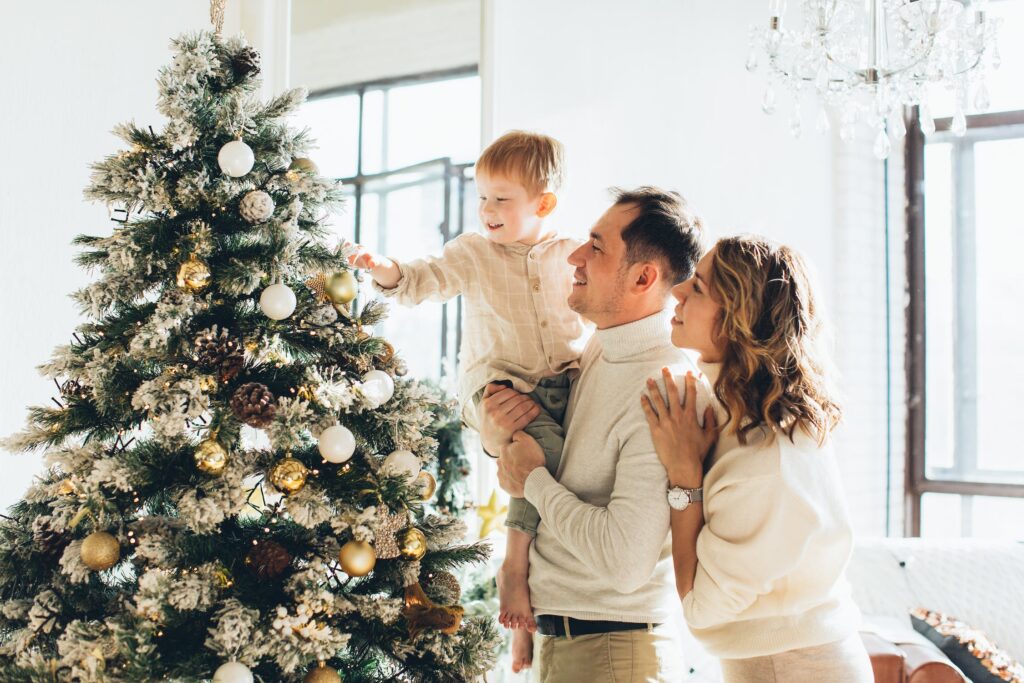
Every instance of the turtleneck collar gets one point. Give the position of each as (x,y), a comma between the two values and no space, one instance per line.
(710,370)
(626,341)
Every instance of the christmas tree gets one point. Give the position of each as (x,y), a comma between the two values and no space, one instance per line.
(236,480)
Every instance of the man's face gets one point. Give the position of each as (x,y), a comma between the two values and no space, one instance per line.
(599,282)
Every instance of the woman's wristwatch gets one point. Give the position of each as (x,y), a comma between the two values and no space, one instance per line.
(680,499)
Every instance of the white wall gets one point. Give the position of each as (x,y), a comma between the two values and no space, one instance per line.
(341,43)
(655,92)
(69,71)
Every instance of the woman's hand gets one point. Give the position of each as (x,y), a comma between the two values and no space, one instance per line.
(680,441)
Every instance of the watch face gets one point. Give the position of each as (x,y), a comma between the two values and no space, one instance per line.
(678,499)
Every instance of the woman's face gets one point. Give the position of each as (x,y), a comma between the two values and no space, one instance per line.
(696,321)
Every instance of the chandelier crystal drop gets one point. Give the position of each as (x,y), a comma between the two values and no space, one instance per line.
(867,59)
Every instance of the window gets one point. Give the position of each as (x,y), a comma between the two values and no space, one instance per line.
(404,149)
(964,356)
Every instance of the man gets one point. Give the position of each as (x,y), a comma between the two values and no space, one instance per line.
(600,568)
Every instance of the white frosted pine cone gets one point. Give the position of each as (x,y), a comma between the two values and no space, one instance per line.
(256,206)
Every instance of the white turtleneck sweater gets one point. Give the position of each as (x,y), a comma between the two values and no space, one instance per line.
(774,547)
(603,548)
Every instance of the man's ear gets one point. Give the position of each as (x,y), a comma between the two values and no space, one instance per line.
(647,277)
(548,202)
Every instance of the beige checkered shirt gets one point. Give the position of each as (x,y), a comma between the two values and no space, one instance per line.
(518,326)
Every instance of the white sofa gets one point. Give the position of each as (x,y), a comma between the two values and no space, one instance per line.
(980,582)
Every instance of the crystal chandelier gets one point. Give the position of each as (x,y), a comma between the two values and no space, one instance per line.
(867,59)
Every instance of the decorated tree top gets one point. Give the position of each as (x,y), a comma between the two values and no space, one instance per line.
(235,481)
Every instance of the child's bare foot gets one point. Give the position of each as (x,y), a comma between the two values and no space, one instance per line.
(522,650)
(514,609)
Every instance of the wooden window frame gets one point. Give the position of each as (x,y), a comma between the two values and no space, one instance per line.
(917,482)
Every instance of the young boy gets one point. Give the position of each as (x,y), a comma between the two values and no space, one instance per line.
(519,330)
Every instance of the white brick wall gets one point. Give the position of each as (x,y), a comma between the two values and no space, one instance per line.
(859,322)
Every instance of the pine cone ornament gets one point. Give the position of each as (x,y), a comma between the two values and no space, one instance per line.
(72,388)
(254,405)
(50,543)
(256,206)
(244,63)
(220,353)
(323,315)
(443,588)
(268,559)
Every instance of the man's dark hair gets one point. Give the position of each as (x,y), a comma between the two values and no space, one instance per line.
(666,230)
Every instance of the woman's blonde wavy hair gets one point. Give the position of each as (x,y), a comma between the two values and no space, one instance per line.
(773,371)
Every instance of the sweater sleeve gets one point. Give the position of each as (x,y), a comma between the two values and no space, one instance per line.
(437,278)
(623,540)
(756,533)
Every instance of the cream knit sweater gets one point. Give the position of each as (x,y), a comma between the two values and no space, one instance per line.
(773,550)
(602,549)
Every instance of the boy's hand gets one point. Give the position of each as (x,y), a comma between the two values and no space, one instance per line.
(383,270)
(362,258)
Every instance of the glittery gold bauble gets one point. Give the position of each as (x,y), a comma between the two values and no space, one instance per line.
(304,165)
(100,551)
(289,475)
(357,558)
(322,674)
(425,484)
(413,544)
(194,274)
(341,287)
(66,488)
(211,457)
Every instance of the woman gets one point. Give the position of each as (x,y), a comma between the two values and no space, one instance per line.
(759,564)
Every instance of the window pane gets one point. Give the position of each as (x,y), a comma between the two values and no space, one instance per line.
(997,518)
(946,515)
(999,166)
(334,125)
(941,515)
(939,436)
(374,143)
(433,120)
(401,218)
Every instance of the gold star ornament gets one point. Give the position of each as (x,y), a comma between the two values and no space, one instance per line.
(492,515)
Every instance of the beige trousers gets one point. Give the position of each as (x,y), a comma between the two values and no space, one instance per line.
(845,661)
(639,656)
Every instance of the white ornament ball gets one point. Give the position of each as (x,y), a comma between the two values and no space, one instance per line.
(236,159)
(256,207)
(277,301)
(402,462)
(378,386)
(233,672)
(337,444)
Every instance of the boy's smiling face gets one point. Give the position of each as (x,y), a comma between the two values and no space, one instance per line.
(507,211)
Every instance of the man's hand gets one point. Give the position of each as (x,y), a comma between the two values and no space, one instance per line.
(517,460)
(502,412)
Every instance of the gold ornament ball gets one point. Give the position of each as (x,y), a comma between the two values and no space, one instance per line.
(100,551)
(304,165)
(211,457)
(322,674)
(342,287)
(426,484)
(289,475)
(357,558)
(413,544)
(194,274)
